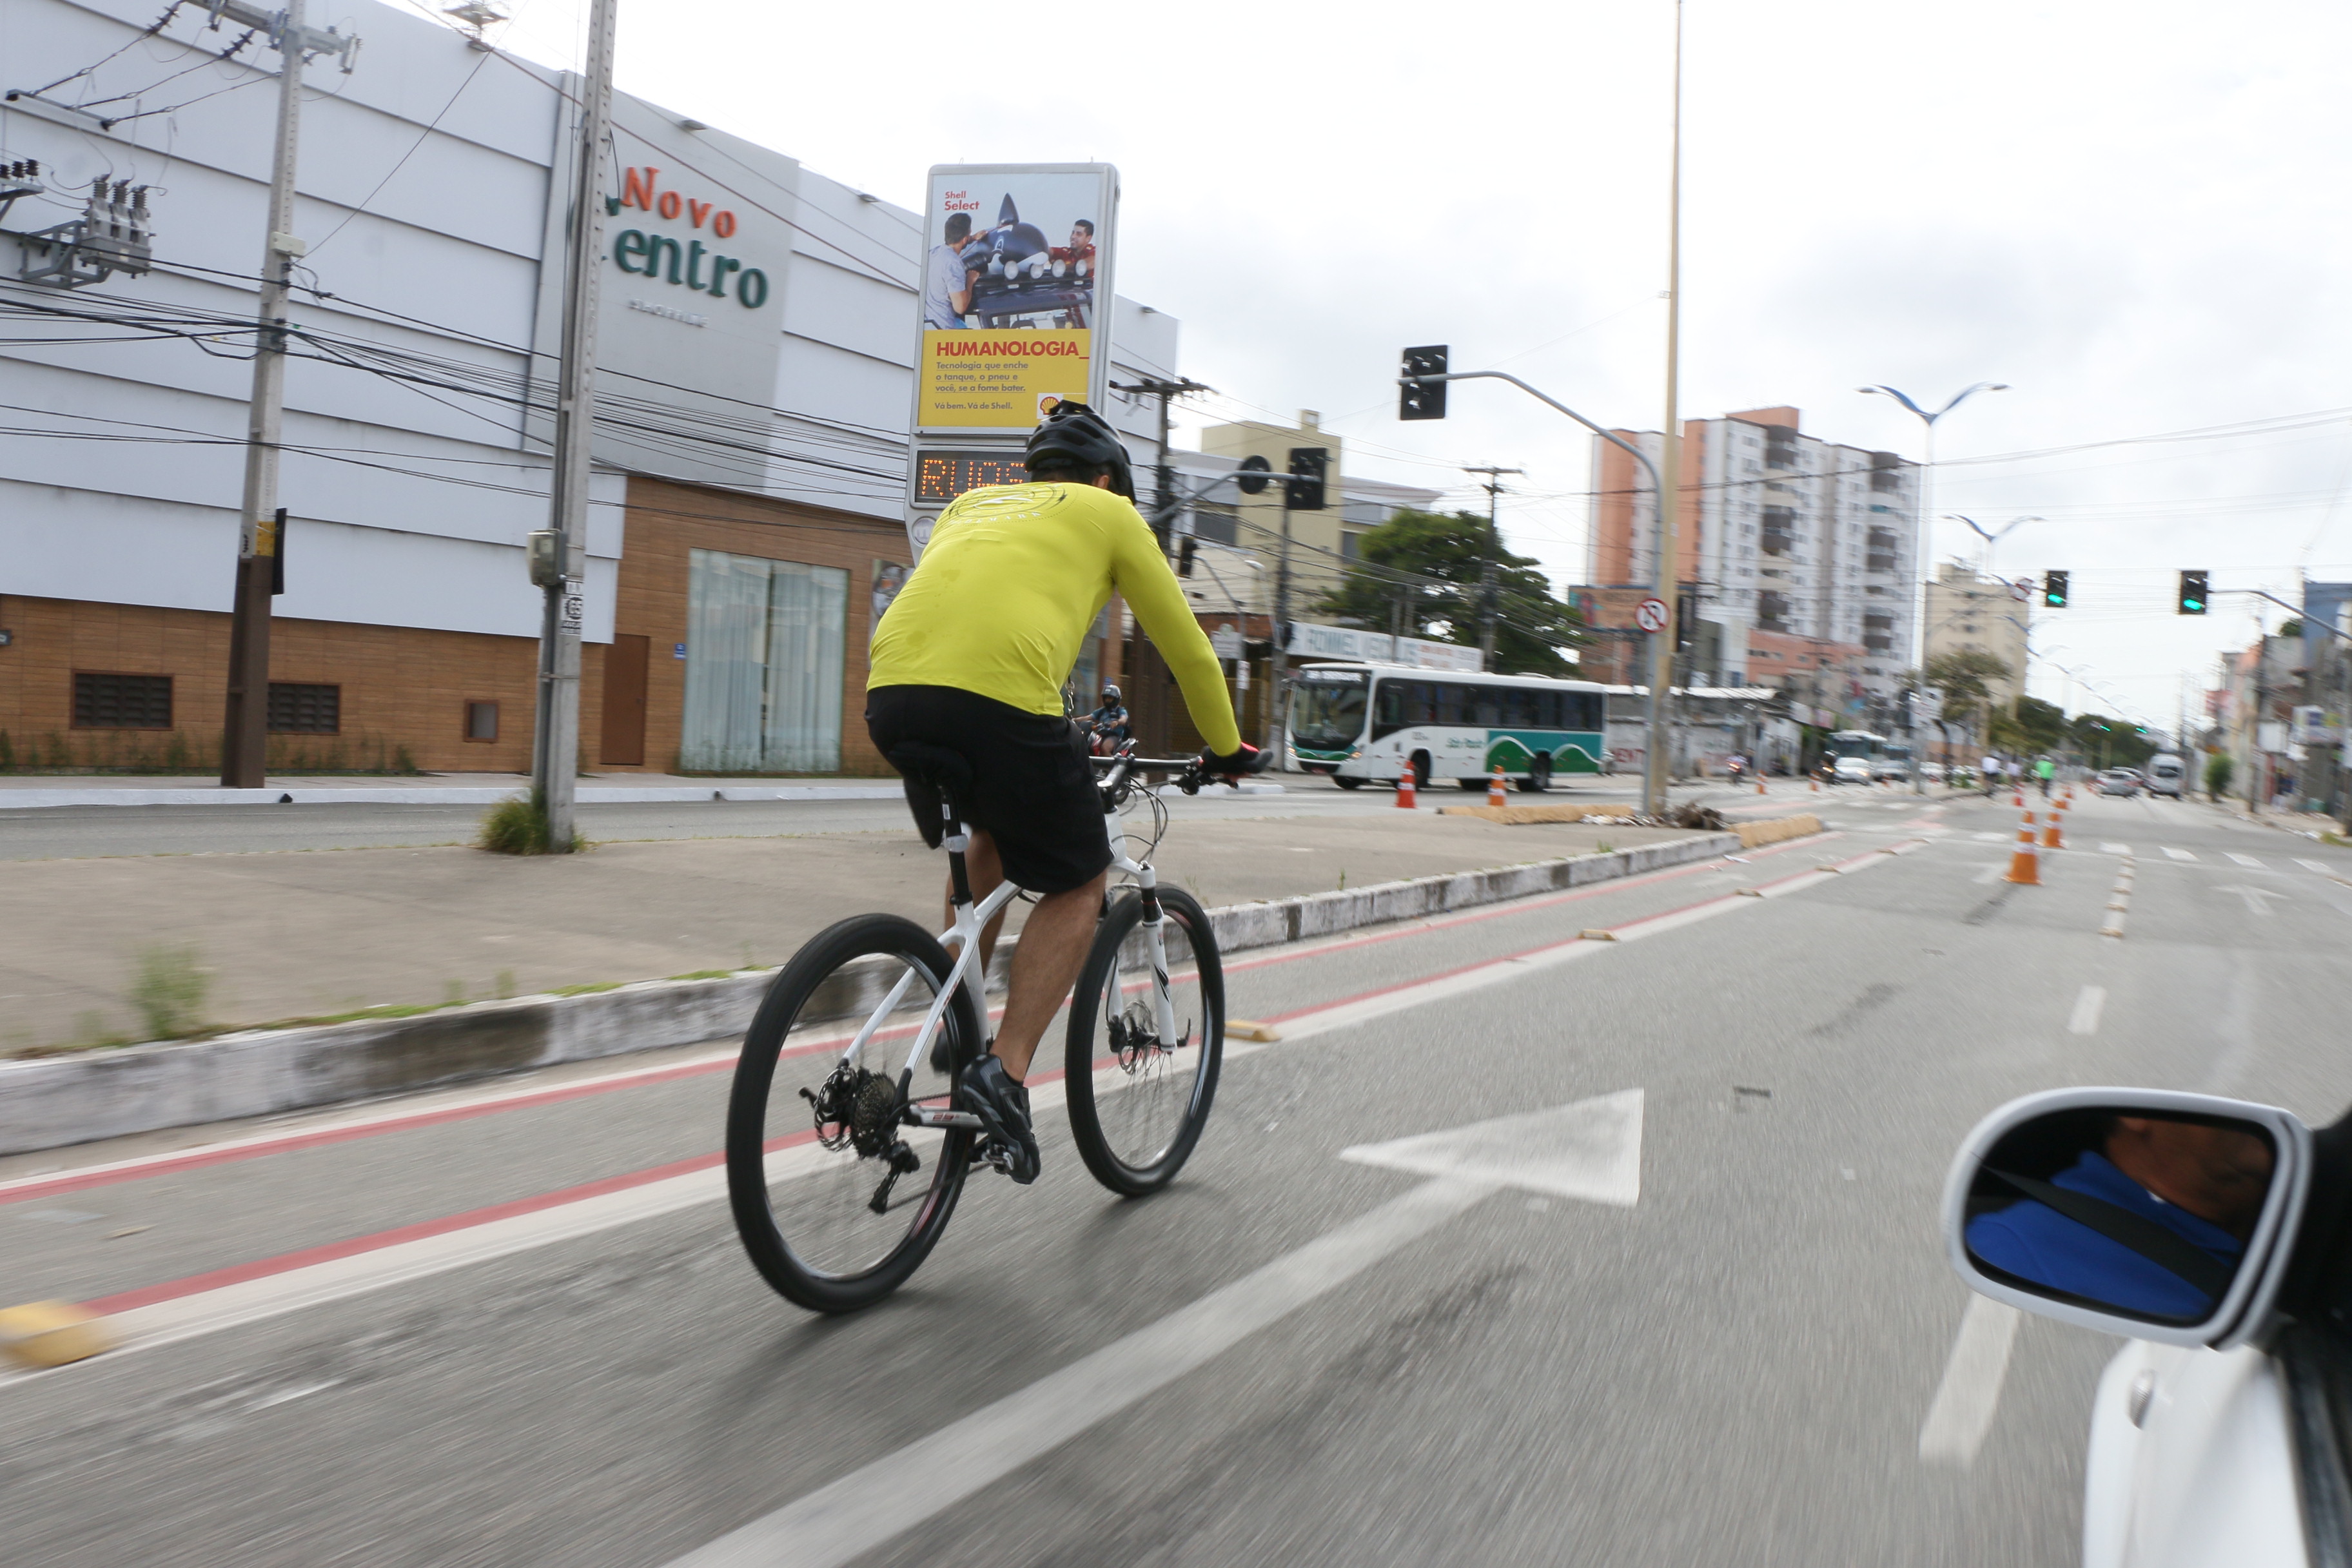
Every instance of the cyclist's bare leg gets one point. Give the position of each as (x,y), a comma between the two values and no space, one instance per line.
(1054,942)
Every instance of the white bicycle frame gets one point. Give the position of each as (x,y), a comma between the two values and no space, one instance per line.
(972,918)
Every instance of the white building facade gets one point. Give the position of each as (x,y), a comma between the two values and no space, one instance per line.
(756,342)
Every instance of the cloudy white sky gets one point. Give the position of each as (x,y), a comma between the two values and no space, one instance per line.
(2133,213)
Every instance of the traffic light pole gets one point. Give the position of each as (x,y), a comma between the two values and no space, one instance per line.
(1654,788)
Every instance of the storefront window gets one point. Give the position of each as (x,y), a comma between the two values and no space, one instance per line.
(763,665)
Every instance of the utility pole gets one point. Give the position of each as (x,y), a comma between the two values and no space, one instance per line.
(1163,478)
(1280,635)
(1658,763)
(1486,592)
(558,555)
(244,729)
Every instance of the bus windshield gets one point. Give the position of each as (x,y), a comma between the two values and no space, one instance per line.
(1848,744)
(1327,714)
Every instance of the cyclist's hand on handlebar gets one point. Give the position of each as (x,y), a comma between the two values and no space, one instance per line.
(1248,760)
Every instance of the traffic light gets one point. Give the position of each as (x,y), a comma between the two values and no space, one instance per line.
(1186,549)
(1307,467)
(2053,590)
(2192,594)
(1423,400)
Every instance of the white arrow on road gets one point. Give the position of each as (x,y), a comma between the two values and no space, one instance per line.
(2254,897)
(1592,1150)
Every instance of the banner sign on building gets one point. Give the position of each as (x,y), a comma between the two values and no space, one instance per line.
(1016,291)
(1308,640)
(1014,316)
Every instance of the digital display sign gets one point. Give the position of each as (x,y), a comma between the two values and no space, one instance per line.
(943,476)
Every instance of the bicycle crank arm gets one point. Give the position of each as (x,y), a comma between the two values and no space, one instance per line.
(925,1116)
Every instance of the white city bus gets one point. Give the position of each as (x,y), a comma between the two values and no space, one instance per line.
(1860,756)
(1360,722)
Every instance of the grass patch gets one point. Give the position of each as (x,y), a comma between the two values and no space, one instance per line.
(704,975)
(588,990)
(518,826)
(169,992)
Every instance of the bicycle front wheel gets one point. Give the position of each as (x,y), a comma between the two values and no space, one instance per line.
(838,1192)
(1139,1079)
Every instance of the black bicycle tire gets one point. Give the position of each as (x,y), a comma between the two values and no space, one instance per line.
(747,1187)
(1125,913)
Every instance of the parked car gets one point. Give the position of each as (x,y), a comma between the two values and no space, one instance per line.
(2212,1235)
(2118,781)
(2167,774)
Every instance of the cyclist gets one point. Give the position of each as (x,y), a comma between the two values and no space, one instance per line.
(971,658)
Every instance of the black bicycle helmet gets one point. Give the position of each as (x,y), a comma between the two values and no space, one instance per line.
(1075,436)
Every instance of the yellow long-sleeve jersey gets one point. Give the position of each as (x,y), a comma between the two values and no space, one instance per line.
(1011,580)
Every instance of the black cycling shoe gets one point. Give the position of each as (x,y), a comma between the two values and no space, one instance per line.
(1002,1107)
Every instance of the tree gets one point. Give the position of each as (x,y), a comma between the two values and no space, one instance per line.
(1965,678)
(1425,567)
(2032,725)
(2109,742)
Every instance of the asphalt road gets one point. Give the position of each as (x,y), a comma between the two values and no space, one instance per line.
(1733,1368)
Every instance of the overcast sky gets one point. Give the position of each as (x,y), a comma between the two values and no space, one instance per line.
(2133,213)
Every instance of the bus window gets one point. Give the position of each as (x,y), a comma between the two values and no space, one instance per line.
(1485,704)
(1585,709)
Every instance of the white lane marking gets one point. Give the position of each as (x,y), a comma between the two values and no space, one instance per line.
(2087,1008)
(2246,861)
(1968,1396)
(849,1517)
(2256,898)
(2322,867)
(1590,1149)
(1992,837)
(2177,854)
(2115,849)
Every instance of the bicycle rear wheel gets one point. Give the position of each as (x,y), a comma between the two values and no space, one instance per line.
(1140,1097)
(838,1197)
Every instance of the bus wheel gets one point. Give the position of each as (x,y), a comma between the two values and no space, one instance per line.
(1538,778)
(1344,781)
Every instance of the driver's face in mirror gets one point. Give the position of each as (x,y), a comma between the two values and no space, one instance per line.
(2144,1215)
(2218,1173)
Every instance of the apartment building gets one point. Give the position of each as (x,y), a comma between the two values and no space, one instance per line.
(1968,611)
(1787,540)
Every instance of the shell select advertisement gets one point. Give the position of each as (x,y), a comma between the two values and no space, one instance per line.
(1016,267)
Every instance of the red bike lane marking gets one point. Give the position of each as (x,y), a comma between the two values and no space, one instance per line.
(25,1189)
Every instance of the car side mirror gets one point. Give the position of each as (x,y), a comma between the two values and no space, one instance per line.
(2137,1212)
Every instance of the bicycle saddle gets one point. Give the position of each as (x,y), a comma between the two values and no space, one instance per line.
(950,773)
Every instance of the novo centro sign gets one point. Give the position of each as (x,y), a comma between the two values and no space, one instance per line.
(689,264)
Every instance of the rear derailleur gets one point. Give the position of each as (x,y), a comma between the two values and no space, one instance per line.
(858,1108)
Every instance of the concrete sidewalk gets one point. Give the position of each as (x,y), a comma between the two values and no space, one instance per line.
(309,934)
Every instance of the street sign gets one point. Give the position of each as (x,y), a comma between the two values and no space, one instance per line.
(1226,641)
(1650,614)
(2021,590)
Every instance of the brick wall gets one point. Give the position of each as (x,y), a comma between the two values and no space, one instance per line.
(402,687)
(665,522)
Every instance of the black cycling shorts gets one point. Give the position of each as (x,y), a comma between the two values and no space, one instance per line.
(1033,786)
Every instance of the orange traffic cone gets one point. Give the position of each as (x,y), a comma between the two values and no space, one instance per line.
(1407,796)
(2050,838)
(1759,783)
(1812,786)
(1495,789)
(2025,861)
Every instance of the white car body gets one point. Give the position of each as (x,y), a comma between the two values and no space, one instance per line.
(1852,770)
(2206,1477)
(2167,774)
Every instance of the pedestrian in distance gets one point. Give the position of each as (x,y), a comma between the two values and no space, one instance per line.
(1991,775)
(2044,770)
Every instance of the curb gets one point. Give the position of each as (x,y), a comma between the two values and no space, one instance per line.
(49,1102)
(593,794)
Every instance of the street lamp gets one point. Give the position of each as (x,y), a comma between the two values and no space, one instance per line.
(1995,537)
(1926,512)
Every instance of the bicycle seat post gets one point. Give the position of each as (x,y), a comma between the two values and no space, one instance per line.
(954,839)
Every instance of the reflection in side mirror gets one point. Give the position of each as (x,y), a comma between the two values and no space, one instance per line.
(2160,1215)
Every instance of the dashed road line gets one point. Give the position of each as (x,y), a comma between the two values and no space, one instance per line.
(2115,848)
(2322,867)
(2171,853)
(2246,861)
(2087,1008)
(1970,1394)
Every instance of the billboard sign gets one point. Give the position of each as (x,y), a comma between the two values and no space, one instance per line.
(1016,294)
